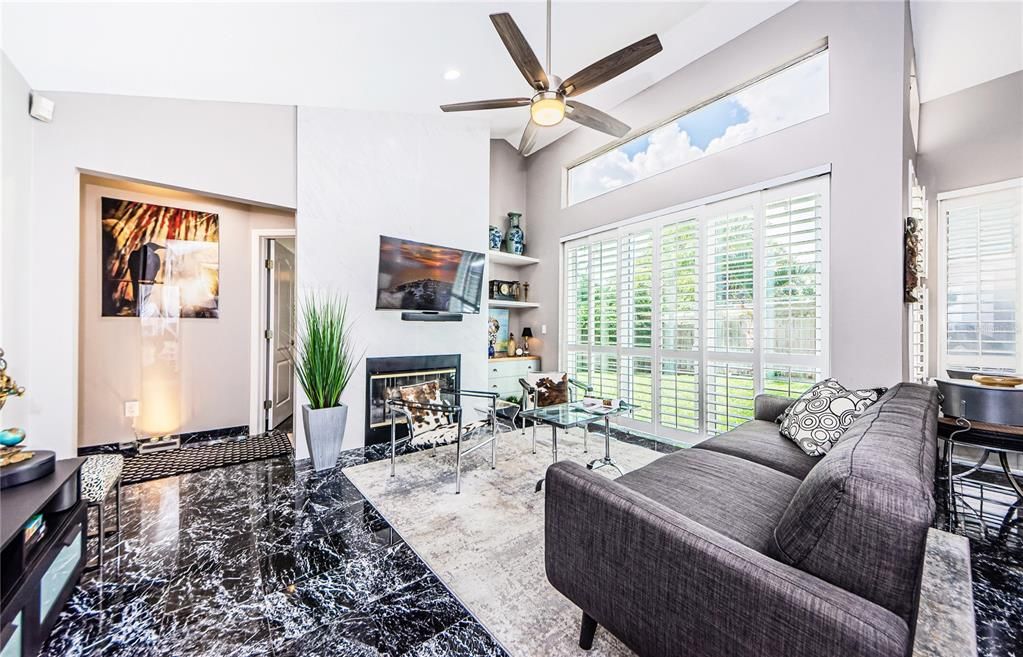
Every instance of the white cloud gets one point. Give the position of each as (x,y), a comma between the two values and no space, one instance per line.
(792,96)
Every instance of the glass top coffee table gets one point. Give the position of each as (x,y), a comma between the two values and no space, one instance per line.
(578,414)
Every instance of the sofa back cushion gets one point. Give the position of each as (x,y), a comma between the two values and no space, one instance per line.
(859,520)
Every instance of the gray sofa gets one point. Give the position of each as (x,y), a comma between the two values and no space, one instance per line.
(745,545)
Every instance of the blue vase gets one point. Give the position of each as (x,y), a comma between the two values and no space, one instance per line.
(495,238)
(490,350)
(516,238)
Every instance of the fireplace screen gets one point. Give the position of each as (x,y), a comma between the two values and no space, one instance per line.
(386,375)
(385,386)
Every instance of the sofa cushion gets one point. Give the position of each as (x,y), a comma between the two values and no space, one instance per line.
(859,520)
(737,498)
(822,414)
(759,441)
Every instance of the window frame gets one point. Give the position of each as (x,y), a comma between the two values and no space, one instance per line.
(942,292)
(822,46)
(817,180)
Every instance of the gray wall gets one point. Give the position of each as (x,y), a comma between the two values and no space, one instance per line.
(214,357)
(225,150)
(862,138)
(970,138)
(15,232)
(362,175)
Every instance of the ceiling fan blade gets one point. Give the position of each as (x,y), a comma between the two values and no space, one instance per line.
(591,117)
(611,66)
(520,52)
(528,138)
(497,103)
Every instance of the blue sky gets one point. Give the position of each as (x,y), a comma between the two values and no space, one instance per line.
(702,126)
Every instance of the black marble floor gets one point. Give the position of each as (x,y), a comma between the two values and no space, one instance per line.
(991,516)
(261,559)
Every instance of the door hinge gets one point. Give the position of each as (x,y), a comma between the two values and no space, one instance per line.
(267,405)
(268,334)
(268,263)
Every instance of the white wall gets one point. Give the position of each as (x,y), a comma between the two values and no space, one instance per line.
(215,354)
(861,137)
(15,232)
(361,175)
(227,150)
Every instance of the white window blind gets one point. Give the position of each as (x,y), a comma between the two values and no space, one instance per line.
(919,309)
(981,282)
(728,271)
(692,313)
(679,285)
(636,283)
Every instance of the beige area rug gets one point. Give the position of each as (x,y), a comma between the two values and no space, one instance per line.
(487,544)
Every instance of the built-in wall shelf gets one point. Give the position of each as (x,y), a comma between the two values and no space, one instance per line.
(510,259)
(497,303)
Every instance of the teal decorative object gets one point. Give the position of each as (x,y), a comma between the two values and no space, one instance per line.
(11,437)
(516,238)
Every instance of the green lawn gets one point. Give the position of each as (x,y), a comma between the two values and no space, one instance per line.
(730,404)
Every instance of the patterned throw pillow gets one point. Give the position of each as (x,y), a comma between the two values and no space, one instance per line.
(424,419)
(821,415)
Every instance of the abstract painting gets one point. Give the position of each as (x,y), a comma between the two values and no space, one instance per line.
(145,244)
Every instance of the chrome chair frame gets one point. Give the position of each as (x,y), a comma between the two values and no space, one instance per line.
(529,395)
(395,406)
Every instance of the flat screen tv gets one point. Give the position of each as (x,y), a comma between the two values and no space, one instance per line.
(427,277)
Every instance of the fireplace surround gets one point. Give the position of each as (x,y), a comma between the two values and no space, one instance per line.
(386,374)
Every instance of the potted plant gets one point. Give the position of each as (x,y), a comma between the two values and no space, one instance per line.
(324,364)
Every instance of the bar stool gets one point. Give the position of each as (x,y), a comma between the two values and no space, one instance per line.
(101,474)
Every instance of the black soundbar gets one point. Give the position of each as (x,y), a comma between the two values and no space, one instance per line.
(431,316)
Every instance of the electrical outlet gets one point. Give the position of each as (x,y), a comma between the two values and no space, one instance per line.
(543,329)
(131,408)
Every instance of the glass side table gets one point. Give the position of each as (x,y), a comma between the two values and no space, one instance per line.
(578,414)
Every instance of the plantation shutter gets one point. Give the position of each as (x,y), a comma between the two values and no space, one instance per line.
(728,281)
(604,292)
(792,288)
(982,280)
(918,310)
(637,307)
(679,285)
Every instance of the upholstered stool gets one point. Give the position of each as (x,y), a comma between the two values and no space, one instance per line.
(101,474)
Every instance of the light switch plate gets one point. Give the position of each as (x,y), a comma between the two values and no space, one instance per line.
(131,408)
(543,329)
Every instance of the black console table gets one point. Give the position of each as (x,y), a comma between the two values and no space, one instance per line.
(42,527)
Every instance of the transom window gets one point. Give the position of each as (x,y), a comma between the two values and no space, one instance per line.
(691,313)
(793,94)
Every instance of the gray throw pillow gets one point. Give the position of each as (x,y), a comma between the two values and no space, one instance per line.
(821,415)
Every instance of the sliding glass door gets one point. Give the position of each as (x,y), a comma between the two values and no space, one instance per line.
(689,314)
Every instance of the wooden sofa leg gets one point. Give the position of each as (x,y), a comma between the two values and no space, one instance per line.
(589,628)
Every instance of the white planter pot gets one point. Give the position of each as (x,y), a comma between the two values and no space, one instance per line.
(324,431)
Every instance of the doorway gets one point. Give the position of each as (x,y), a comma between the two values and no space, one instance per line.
(276,333)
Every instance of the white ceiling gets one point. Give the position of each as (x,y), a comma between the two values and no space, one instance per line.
(960,44)
(358,55)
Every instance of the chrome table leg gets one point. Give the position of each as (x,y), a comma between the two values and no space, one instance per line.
(607,461)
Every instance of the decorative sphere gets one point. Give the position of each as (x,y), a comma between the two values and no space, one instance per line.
(11,437)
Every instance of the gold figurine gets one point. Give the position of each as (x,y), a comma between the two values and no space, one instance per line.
(10,449)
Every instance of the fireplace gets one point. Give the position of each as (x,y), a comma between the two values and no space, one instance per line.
(385,375)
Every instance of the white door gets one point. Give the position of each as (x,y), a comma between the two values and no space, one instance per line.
(281,334)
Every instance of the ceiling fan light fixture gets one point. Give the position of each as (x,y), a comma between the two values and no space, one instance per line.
(547,108)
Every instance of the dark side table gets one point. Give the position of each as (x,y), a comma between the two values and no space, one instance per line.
(991,439)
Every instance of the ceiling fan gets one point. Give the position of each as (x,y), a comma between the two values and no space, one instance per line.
(552,99)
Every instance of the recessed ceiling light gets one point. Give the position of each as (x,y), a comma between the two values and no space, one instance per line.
(452,74)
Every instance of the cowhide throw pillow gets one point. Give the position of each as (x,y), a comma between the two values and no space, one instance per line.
(821,415)
(424,419)
(550,392)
